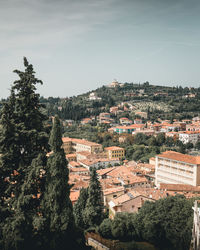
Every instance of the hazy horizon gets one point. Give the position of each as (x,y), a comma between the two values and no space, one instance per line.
(78,46)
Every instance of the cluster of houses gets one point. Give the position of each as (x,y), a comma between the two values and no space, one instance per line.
(187,131)
(126,185)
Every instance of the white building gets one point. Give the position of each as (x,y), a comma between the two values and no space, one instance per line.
(176,168)
(94,97)
(98,163)
(189,136)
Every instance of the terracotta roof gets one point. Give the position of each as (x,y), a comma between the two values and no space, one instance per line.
(126,127)
(124,118)
(105,170)
(137,125)
(70,155)
(129,180)
(80,141)
(121,199)
(119,172)
(146,165)
(114,148)
(85,142)
(85,153)
(180,157)
(113,190)
(179,187)
(189,132)
(74,195)
(92,161)
(152,193)
(80,184)
(66,139)
(109,183)
(74,164)
(76,169)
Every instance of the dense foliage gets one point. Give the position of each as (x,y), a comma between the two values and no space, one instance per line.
(35,208)
(159,101)
(166,223)
(89,209)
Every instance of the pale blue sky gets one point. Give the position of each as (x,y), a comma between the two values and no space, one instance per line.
(79,45)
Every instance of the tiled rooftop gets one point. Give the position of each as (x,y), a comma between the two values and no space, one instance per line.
(180,157)
(114,148)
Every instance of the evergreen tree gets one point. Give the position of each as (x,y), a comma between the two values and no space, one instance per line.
(57,206)
(79,208)
(29,120)
(23,135)
(8,149)
(22,138)
(93,214)
(24,229)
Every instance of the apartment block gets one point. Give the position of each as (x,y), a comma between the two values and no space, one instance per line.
(71,145)
(115,152)
(189,136)
(176,168)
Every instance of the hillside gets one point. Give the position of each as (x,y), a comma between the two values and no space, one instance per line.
(159,101)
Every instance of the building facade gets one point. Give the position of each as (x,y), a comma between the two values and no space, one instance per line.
(115,152)
(176,168)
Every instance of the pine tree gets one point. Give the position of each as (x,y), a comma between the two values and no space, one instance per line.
(23,135)
(8,149)
(79,208)
(93,214)
(57,205)
(29,120)
(22,138)
(24,229)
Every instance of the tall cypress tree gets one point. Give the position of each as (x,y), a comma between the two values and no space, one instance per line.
(93,214)
(57,205)
(79,209)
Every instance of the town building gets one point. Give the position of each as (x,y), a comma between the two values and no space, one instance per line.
(71,145)
(176,168)
(125,121)
(115,152)
(86,121)
(123,129)
(127,202)
(111,193)
(113,84)
(71,157)
(142,114)
(99,163)
(189,136)
(94,97)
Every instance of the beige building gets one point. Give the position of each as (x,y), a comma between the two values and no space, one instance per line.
(115,152)
(77,145)
(110,193)
(67,145)
(176,168)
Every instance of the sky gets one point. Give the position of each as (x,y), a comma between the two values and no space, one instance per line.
(77,46)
